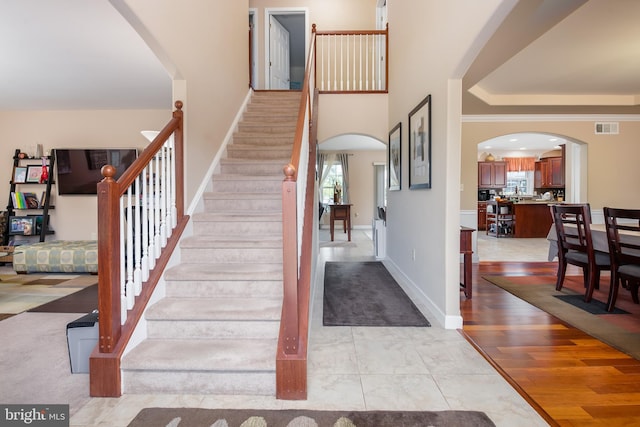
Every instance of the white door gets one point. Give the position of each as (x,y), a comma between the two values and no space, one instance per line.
(278,55)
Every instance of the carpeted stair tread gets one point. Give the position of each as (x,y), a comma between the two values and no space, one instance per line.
(248,242)
(202,355)
(250,196)
(218,309)
(225,271)
(240,216)
(235,177)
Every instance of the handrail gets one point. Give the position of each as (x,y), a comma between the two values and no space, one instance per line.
(156,177)
(291,366)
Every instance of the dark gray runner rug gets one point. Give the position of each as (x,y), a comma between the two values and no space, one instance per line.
(365,294)
(195,417)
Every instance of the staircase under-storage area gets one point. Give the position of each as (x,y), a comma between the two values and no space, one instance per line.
(216,330)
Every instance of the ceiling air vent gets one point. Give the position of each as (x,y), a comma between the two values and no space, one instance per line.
(604,128)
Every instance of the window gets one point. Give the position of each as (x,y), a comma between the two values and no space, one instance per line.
(335,175)
(523,181)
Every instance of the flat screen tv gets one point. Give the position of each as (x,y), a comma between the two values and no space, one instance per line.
(78,170)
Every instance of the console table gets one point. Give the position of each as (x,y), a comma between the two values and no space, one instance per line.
(466,248)
(341,213)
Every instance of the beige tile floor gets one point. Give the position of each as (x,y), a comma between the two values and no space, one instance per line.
(360,368)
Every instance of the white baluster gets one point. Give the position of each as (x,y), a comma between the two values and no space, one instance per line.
(341,62)
(163,197)
(152,230)
(335,62)
(123,293)
(145,224)
(157,243)
(129,287)
(174,209)
(137,235)
(360,37)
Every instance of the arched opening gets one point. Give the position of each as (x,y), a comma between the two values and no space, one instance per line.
(527,150)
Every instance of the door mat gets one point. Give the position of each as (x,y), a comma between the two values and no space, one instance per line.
(365,294)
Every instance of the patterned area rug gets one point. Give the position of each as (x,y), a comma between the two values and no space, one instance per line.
(24,292)
(620,330)
(192,417)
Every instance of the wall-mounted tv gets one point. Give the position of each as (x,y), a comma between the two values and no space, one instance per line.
(78,170)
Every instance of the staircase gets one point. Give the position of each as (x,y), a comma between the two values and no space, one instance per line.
(216,330)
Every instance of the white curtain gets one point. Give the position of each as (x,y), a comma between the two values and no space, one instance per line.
(324,166)
(343,158)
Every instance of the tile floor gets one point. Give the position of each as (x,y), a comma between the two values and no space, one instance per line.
(362,368)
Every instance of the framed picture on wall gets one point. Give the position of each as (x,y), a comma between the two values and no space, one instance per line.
(420,145)
(394,158)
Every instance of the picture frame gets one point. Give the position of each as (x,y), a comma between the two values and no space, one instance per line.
(394,158)
(420,145)
(22,225)
(20,175)
(34,172)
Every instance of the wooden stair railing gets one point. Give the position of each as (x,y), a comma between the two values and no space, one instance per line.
(297,222)
(134,245)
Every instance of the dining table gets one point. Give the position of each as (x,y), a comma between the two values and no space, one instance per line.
(598,237)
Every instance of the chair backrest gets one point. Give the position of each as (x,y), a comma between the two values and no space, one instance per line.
(620,225)
(572,223)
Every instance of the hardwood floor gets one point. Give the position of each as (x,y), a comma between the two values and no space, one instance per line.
(570,378)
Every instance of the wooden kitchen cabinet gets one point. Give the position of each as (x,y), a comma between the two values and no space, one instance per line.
(492,174)
(549,173)
(482,215)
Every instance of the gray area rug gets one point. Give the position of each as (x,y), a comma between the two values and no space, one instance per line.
(195,417)
(365,294)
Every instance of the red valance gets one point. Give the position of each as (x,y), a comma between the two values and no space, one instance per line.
(520,164)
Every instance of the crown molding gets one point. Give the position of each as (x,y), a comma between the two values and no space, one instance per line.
(496,118)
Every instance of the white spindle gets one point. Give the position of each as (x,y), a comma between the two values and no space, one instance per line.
(145,224)
(366,61)
(347,67)
(174,209)
(123,293)
(129,287)
(360,67)
(341,62)
(157,243)
(322,64)
(137,235)
(163,197)
(335,62)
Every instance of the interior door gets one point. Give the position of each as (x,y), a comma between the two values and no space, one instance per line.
(278,55)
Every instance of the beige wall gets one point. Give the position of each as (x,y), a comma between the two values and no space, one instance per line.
(74,217)
(206,42)
(611,159)
(431,44)
(326,14)
(359,114)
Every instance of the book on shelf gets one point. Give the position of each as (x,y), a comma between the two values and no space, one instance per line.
(18,200)
(31,200)
(25,200)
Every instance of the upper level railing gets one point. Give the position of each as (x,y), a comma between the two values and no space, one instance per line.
(140,219)
(352,61)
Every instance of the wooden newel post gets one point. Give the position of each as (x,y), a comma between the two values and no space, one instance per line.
(290,257)
(108,261)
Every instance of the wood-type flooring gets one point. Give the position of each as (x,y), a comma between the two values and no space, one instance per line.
(570,378)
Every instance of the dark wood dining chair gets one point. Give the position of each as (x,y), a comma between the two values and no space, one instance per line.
(575,246)
(624,251)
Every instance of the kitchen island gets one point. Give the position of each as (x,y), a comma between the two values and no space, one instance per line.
(533,218)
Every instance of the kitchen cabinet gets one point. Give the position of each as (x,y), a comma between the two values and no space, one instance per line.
(549,173)
(482,215)
(492,174)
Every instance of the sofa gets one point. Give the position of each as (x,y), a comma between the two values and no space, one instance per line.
(57,256)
